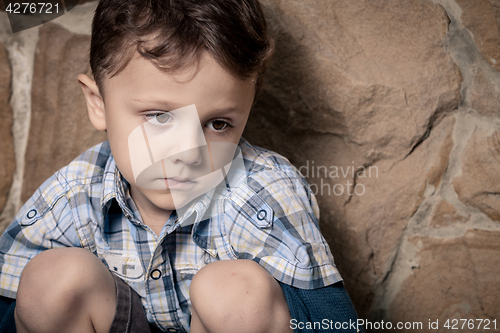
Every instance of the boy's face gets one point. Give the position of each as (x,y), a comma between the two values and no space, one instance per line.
(170,132)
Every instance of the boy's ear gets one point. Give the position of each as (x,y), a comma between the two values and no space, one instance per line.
(95,102)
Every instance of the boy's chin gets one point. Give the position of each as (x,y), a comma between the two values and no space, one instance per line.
(167,200)
(177,198)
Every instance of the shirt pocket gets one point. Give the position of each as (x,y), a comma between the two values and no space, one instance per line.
(248,203)
(126,266)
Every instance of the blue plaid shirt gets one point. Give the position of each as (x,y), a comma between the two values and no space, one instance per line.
(271,217)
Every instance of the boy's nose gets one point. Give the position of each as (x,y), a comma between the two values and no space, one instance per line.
(192,156)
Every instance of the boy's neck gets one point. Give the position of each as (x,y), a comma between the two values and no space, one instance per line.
(154,221)
(152,216)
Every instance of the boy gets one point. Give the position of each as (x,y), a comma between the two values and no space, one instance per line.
(175,224)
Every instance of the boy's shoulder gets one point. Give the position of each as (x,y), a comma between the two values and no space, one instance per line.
(85,174)
(272,180)
(270,171)
(88,167)
(258,159)
(78,185)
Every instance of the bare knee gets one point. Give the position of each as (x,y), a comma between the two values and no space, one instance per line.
(58,285)
(238,296)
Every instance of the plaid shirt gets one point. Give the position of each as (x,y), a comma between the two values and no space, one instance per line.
(271,218)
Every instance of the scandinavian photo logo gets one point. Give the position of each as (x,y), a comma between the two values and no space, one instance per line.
(337,179)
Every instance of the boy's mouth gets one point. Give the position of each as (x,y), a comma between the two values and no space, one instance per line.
(179,183)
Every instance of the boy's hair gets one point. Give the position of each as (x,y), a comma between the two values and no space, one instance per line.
(174,33)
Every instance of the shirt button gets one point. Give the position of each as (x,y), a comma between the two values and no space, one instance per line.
(155,275)
(31,214)
(173,330)
(262,215)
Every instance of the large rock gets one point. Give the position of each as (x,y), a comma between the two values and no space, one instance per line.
(454,279)
(495,4)
(379,217)
(6,141)
(445,215)
(485,97)
(479,17)
(478,184)
(60,129)
(373,73)
(360,83)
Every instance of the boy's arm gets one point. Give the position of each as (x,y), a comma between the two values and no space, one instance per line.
(273,220)
(45,221)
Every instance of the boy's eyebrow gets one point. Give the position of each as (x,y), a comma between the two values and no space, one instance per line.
(163,104)
(224,111)
(171,106)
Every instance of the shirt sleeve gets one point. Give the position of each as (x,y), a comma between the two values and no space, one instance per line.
(45,221)
(272,218)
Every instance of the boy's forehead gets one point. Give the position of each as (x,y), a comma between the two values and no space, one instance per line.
(138,64)
(140,67)
(142,80)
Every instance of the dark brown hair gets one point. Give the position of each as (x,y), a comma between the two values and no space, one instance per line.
(174,33)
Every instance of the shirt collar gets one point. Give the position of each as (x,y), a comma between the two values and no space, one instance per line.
(115,187)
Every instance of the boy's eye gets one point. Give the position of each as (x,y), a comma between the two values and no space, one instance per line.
(163,117)
(159,118)
(217,125)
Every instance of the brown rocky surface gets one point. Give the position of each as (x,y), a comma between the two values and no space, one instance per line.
(6,140)
(368,82)
(485,97)
(455,278)
(495,4)
(445,214)
(478,185)
(379,217)
(496,9)
(60,129)
(479,17)
(360,84)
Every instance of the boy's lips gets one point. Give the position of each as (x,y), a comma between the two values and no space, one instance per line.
(179,183)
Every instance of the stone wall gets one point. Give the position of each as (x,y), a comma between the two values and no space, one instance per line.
(391,108)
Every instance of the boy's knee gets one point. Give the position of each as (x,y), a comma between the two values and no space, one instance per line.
(58,282)
(59,272)
(238,295)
